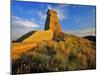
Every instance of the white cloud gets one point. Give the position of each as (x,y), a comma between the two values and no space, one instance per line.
(42,15)
(83,32)
(26,23)
(23,22)
(16,18)
(62,14)
(21,26)
(89,31)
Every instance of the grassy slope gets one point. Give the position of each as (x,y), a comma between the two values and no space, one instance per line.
(19,47)
(63,53)
(28,41)
(40,35)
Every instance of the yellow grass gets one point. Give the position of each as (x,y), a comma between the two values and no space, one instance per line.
(72,53)
(19,48)
(39,36)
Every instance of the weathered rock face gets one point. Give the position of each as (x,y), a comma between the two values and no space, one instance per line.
(52,28)
(52,22)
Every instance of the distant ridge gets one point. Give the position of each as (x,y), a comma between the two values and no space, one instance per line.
(25,36)
(91,38)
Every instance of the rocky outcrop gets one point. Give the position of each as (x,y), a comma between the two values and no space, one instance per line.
(52,28)
(52,22)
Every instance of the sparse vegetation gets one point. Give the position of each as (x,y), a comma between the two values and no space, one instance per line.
(64,54)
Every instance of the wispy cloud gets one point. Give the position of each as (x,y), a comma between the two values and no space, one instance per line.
(62,14)
(42,15)
(23,22)
(21,26)
(83,32)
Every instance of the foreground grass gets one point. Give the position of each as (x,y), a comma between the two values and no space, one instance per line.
(19,48)
(62,53)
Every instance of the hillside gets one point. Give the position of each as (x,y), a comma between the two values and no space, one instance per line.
(91,38)
(25,36)
(39,36)
(34,36)
(64,52)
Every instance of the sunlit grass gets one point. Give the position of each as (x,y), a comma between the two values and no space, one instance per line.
(64,54)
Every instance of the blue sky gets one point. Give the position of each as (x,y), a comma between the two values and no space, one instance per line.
(75,19)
